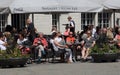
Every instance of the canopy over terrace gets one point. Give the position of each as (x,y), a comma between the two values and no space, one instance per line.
(36,6)
(4,6)
(112,4)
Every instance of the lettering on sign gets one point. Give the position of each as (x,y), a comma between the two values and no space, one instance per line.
(59,8)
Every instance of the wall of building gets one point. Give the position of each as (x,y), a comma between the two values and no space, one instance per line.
(43,23)
(9,19)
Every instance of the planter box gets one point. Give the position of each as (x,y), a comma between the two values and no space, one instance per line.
(119,55)
(107,57)
(12,62)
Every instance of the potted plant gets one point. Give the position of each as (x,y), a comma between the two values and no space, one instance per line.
(104,53)
(12,57)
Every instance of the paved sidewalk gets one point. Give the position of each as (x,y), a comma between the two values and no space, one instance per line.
(77,68)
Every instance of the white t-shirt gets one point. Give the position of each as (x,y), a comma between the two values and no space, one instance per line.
(21,41)
(93,32)
(54,46)
(59,40)
(72,24)
(2,47)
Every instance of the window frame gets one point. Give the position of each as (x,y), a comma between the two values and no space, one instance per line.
(87,19)
(55,20)
(104,19)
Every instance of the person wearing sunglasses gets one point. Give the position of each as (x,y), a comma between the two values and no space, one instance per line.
(87,44)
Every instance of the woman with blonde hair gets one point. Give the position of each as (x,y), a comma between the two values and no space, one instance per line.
(110,33)
(87,44)
(110,36)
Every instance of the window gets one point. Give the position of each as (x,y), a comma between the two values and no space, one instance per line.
(118,21)
(55,20)
(3,21)
(104,19)
(87,19)
(19,20)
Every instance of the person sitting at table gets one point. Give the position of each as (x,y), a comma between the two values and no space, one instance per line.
(60,47)
(87,44)
(21,43)
(41,45)
(70,40)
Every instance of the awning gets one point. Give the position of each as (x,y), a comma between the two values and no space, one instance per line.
(37,6)
(4,6)
(112,4)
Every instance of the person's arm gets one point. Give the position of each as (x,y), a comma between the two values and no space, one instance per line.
(82,42)
(46,43)
(35,43)
(5,44)
(57,44)
(115,39)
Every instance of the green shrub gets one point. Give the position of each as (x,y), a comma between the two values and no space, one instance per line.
(106,48)
(12,53)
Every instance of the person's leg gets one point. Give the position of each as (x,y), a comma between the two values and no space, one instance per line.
(83,52)
(73,53)
(39,54)
(42,49)
(68,55)
(77,51)
(62,54)
(87,53)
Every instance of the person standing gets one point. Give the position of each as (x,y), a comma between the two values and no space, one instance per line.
(71,24)
(30,30)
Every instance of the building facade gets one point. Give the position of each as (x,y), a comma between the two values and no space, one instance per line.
(45,22)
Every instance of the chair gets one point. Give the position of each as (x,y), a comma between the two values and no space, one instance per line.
(59,53)
(77,52)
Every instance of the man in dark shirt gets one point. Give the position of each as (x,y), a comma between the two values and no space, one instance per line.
(71,24)
(30,30)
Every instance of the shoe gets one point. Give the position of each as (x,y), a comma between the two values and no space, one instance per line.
(83,60)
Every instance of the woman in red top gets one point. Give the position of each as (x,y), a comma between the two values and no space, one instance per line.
(41,45)
(70,39)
